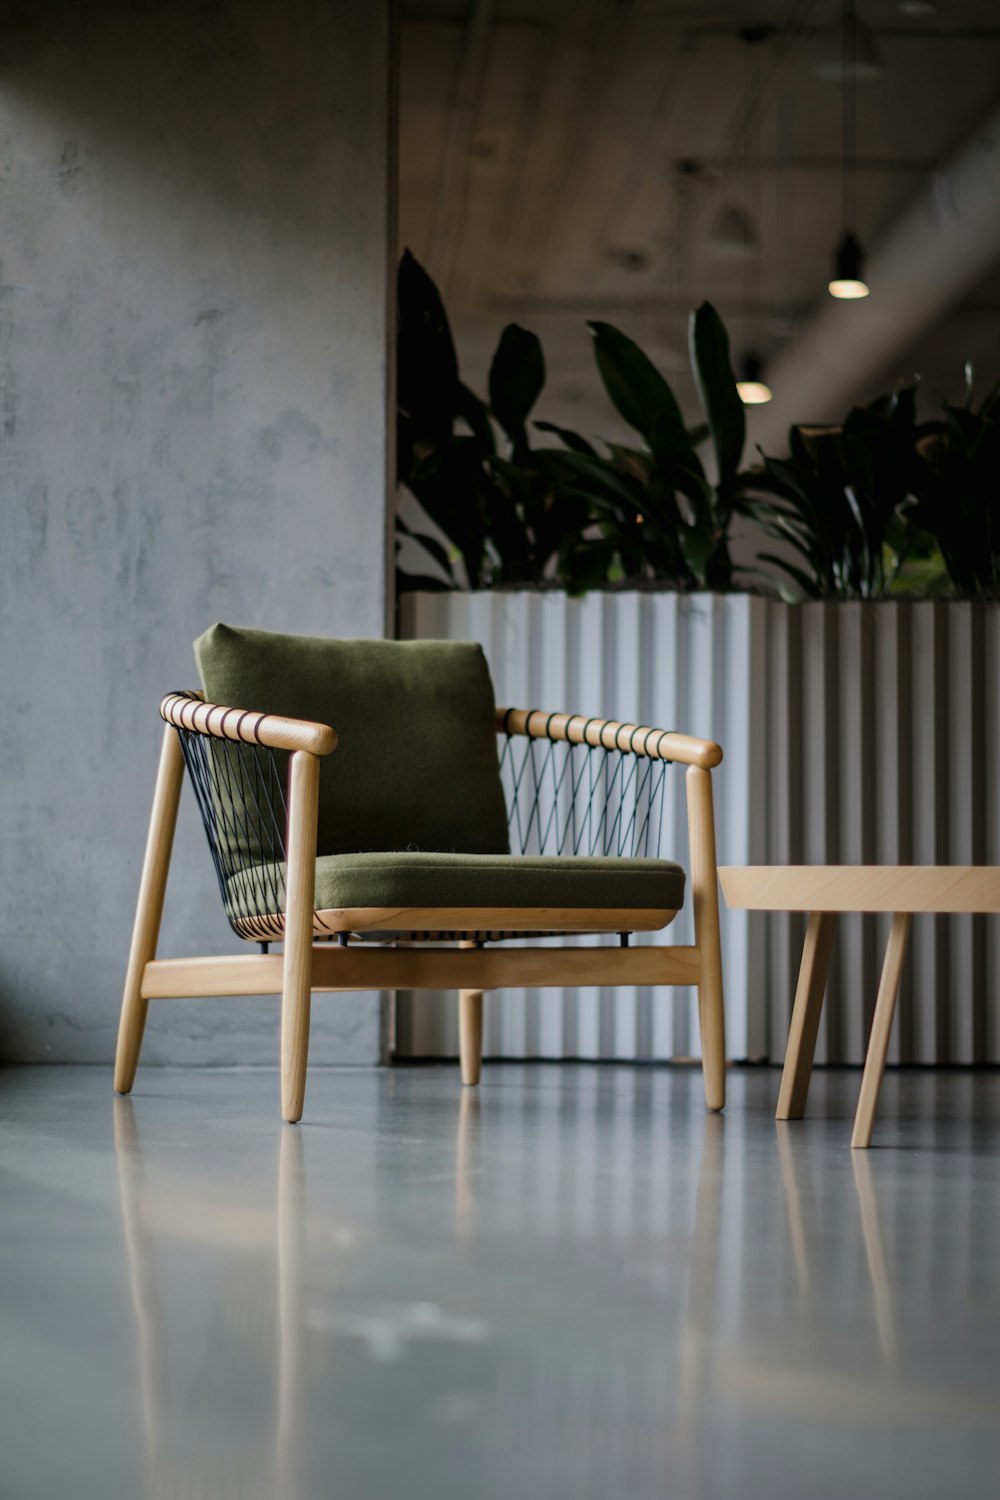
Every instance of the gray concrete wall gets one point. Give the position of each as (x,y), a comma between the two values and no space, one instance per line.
(194,263)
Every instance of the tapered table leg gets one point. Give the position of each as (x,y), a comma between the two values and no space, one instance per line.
(806,1011)
(878,1042)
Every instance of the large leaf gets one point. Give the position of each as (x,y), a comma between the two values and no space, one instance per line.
(475,414)
(716,383)
(572,440)
(453,496)
(589,473)
(586,563)
(427,366)
(517,376)
(809,585)
(697,546)
(430,544)
(637,389)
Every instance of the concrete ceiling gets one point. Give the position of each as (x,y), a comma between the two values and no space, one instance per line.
(565,160)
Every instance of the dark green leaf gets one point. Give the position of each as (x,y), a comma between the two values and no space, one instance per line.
(571,439)
(717,389)
(433,546)
(475,414)
(697,546)
(805,583)
(636,387)
(427,366)
(517,376)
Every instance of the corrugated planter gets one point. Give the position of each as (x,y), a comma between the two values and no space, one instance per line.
(853,733)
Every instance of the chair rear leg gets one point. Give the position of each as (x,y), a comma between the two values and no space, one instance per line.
(705,895)
(152,887)
(300,895)
(470,1034)
(470,1029)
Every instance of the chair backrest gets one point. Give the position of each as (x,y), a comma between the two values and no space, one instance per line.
(416,761)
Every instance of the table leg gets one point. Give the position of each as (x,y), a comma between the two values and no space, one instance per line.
(878,1041)
(805,1015)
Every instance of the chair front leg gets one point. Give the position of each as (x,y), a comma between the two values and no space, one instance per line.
(152,887)
(705,896)
(300,896)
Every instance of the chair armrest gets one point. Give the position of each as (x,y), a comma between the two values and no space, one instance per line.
(609,734)
(189,711)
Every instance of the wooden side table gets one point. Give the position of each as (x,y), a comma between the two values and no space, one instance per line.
(824,891)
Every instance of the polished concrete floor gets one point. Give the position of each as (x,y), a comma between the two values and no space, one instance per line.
(570,1282)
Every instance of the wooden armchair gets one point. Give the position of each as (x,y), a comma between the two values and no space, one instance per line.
(398,874)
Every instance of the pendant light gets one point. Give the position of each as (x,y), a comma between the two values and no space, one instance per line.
(750,385)
(861,56)
(848,280)
(848,266)
(734,236)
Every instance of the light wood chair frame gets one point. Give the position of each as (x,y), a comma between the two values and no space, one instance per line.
(307,965)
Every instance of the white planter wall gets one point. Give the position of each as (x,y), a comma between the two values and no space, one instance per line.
(853,733)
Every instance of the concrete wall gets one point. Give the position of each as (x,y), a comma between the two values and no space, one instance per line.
(194,263)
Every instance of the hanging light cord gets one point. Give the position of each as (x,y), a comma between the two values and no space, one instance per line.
(849,122)
(752,109)
(746,188)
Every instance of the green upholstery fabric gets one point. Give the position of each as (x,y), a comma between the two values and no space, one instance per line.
(410,879)
(416,763)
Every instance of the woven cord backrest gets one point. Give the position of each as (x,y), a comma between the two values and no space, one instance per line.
(565,798)
(240,792)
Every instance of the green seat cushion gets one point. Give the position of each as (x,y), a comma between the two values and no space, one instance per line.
(499,880)
(415,767)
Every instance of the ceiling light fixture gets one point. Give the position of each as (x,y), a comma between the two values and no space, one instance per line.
(848,280)
(848,266)
(861,59)
(734,236)
(752,388)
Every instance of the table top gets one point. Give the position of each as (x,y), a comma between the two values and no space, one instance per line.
(914,888)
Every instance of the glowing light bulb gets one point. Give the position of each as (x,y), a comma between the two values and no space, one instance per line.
(848,280)
(751,388)
(753,392)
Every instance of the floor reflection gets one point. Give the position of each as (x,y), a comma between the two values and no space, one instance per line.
(800,1201)
(584,1259)
(871,1230)
(182,1210)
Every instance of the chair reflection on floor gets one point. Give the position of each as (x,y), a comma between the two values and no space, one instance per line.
(683,1228)
(275,1471)
(142,1280)
(467,1167)
(701,1311)
(291,1259)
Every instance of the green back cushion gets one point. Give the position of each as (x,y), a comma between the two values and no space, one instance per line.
(416,762)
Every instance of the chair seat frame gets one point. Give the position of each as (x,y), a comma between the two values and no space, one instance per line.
(309,962)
